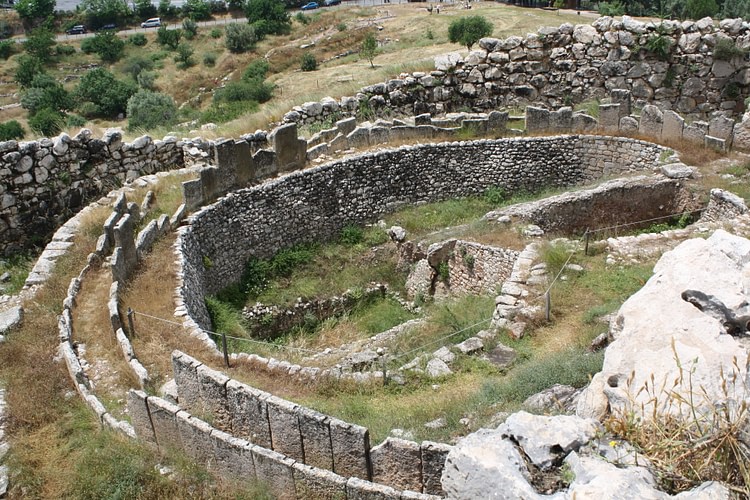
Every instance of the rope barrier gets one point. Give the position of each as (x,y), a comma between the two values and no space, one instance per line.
(643,221)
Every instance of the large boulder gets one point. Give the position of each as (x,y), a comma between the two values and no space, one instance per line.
(666,351)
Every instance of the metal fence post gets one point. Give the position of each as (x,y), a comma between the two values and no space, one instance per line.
(224,348)
(548,304)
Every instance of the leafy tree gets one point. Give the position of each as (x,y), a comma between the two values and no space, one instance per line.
(136,64)
(269,17)
(39,44)
(698,9)
(308,62)
(256,70)
(46,92)
(469,30)
(7,47)
(11,130)
(198,10)
(101,12)
(138,39)
(244,90)
(369,48)
(189,28)
(28,67)
(736,8)
(184,57)
(46,122)
(144,9)
(166,9)
(147,80)
(168,38)
(106,44)
(32,12)
(148,109)
(240,38)
(109,94)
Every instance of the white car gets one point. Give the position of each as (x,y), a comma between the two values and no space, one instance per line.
(154,22)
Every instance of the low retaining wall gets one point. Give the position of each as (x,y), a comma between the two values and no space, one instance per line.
(315,204)
(620,201)
(302,434)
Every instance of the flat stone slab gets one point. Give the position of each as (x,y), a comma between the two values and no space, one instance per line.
(11,318)
(501,356)
(677,171)
(470,345)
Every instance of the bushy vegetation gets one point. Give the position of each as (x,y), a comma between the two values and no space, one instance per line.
(11,130)
(369,48)
(148,110)
(7,48)
(726,50)
(240,38)
(268,17)
(469,30)
(107,93)
(106,44)
(168,38)
(138,39)
(308,62)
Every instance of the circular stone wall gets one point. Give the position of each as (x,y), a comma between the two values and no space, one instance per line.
(314,204)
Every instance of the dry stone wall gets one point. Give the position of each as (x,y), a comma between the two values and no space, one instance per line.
(281,429)
(314,204)
(43,182)
(557,66)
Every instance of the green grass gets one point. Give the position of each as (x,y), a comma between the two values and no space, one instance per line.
(424,219)
(18,267)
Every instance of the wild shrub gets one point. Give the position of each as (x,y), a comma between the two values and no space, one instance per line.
(148,110)
(7,48)
(168,38)
(351,235)
(257,69)
(209,59)
(11,130)
(240,38)
(308,62)
(245,90)
(184,57)
(614,8)
(726,50)
(215,33)
(138,39)
(189,28)
(46,122)
(65,50)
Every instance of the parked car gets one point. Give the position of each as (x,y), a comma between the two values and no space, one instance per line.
(154,22)
(310,6)
(108,27)
(329,3)
(78,29)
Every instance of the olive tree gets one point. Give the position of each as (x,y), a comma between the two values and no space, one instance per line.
(469,30)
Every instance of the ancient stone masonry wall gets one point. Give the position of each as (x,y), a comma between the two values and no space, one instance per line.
(560,65)
(287,430)
(43,182)
(314,204)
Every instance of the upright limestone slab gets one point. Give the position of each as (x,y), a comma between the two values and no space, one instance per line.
(185,370)
(247,406)
(213,393)
(232,457)
(275,470)
(311,482)
(351,449)
(165,425)
(397,463)
(316,438)
(195,435)
(285,432)
(433,462)
(140,416)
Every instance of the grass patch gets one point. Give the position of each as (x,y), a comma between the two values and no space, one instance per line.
(18,266)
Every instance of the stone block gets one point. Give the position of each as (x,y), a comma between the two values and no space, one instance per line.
(652,121)
(672,127)
(628,125)
(163,419)
(276,471)
(397,463)
(192,194)
(232,457)
(140,416)
(346,126)
(317,151)
(209,178)
(433,462)
(195,435)
(475,126)
(265,162)
(623,98)
(247,406)
(316,438)
(359,138)
(338,143)
(537,120)
(413,495)
(497,121)
(693,134)
(351,449)
(715,143)
(584,123)
(109,230)
(423,119)
(609,116)
(379,135)
(185,370)
(722,127)
(561,121)
(359,489)
(290,150)
(285,433)
(311,482)
(235,163)
(213,395)
(146,239)
(124,238)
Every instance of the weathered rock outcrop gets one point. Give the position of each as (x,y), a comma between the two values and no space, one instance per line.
(670,347)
